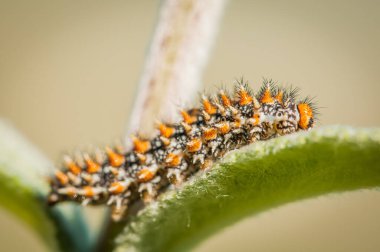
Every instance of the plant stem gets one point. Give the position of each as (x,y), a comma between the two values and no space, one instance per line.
(256,178)
(23,192)
(178,52)
(177,55)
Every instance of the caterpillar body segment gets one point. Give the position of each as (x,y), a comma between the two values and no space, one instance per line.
(220,124)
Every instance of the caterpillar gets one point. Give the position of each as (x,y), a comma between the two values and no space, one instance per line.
(222,123)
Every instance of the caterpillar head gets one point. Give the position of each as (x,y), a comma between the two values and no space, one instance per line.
(306,116)
(285,121)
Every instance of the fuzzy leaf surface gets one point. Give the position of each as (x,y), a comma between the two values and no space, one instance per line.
(254,179)
(23,190)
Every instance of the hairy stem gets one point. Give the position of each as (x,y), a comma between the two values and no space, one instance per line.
(177,55)
(256,178)
(172,74)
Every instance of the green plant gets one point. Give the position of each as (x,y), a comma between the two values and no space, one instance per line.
(247,181)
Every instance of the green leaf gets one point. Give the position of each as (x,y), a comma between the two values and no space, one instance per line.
(254,179)
(23,188)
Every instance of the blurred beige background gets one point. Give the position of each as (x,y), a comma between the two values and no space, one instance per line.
(68,74)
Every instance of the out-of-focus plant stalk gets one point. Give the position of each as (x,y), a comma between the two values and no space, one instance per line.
(23,188)
(171,77)
(177,55)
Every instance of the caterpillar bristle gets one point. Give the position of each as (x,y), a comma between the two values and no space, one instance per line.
(120,177)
